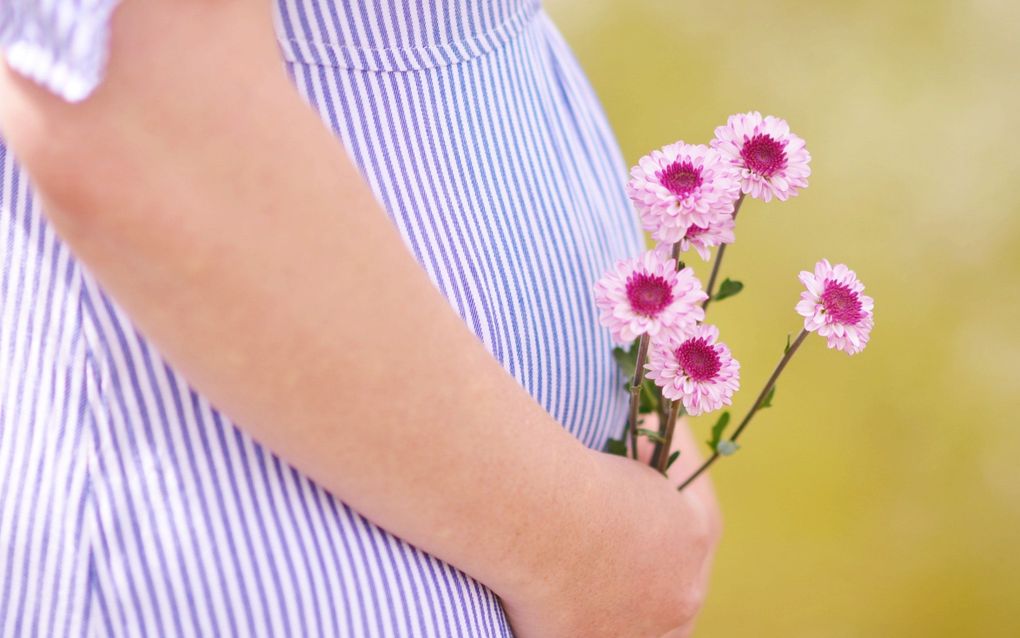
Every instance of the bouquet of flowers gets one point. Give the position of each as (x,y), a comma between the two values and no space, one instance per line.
(688,196)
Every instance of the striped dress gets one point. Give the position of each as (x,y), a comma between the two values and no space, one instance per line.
(128,505)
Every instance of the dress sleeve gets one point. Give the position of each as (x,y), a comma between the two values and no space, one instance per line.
(61,44)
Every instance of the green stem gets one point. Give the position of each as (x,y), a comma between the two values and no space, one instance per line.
(664,403)
(664,407)
(635,392)
(662,456)
(754,408)
(710,289)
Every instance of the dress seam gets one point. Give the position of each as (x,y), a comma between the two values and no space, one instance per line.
(95,403)
(403,59)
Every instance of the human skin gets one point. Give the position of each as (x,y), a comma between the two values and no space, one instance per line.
(208,199)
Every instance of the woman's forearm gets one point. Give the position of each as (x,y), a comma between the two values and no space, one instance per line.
(224,218)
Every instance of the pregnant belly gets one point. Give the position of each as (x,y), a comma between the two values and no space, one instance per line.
(504,180)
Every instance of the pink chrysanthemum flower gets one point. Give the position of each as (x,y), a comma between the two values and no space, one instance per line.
(770,159)
(681,185)
(695,369)
(835,307)
(647,295)
(701,238)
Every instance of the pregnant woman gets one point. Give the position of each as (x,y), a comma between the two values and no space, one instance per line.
(297,335)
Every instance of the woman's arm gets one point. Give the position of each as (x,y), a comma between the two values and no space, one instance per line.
(228,222)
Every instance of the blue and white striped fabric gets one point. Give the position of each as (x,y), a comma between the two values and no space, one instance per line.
(129,506)
(58,43)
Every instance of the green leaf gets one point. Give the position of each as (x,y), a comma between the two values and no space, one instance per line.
(617,447)
(672,457)
(717,430)
(651,434)
(728,288)
(650,396)
(727,448)
(627,359)
(788,343)
(767,401)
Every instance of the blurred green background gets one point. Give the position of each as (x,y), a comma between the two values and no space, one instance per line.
(881,496)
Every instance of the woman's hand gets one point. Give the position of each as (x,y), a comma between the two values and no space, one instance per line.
(687,463)
(698,535)
(700,498)
(651,584)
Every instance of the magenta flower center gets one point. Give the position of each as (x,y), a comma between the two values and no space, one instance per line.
(648,294)
(694,230)
(764,155)
(680,178)
(841,304)
(698,359)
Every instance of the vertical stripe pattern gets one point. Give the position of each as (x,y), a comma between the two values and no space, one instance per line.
(130,506)
(58,43)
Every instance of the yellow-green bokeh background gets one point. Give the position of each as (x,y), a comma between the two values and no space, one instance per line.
(881,497)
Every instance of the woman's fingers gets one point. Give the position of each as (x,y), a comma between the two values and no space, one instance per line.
(701,505)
